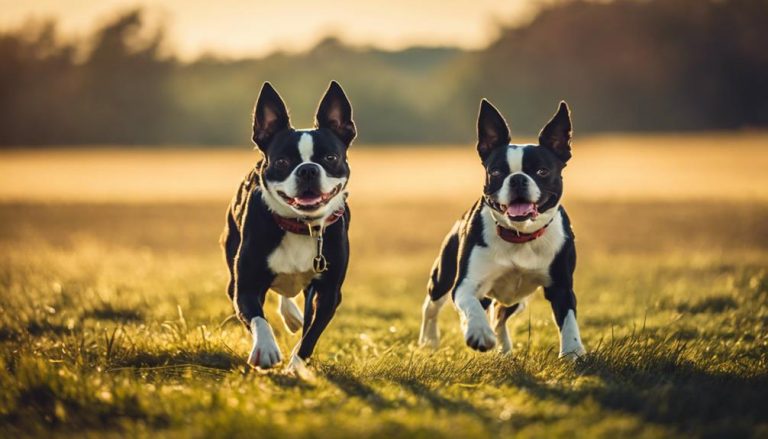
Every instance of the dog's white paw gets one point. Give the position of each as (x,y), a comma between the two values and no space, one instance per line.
(479,336)
(430,335)
(292,316)
(573,353)
(299,368)
(570,338)
(265,352)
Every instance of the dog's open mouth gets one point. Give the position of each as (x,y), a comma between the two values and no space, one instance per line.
(309,200)
(518,210)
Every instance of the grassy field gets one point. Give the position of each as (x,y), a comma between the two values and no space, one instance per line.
(114,320)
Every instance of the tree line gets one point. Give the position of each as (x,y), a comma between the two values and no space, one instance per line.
(626,65)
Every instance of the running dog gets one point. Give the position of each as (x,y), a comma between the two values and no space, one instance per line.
(515,238)
(286,227)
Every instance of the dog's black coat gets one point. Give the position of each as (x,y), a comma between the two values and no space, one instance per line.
(252,234)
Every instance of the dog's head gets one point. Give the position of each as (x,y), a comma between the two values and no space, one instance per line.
(305,172)
(523,183)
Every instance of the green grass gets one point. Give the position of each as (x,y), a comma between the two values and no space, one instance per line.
(114,321)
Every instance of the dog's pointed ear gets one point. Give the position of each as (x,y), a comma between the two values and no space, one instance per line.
(335,113)
(492,129)
(556,135)
(270,116)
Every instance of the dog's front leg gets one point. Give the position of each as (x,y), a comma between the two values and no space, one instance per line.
(563,300)
(250,308)
(322,297)
(321,307)
(252,281)
(474,320)
(297,365)
(264,352)
(563,303)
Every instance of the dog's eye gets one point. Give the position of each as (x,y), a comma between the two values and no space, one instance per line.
(542,172)
(281,163)
(495,172)
(331,158)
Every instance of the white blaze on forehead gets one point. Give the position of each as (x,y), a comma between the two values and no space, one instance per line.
(515,158)
(306,147)
(515,162)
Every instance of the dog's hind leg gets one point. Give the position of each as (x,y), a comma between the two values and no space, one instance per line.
(440,283)
(501,314)
(430,332)
(291,314)
(563,300)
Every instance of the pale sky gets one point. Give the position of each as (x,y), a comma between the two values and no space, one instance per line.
(239,28)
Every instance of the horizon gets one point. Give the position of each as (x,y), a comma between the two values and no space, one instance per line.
(234,30)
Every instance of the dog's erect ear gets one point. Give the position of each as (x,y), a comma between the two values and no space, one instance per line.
(335,113)
(492,129)
(269,116)
(556,135)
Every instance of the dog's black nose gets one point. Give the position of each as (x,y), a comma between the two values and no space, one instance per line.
(308,171)
(518,181)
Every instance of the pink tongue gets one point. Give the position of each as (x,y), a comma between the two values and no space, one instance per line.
(521,209)
(308,201)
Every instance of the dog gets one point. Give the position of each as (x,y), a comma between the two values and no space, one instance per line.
(515,238)
(287,225)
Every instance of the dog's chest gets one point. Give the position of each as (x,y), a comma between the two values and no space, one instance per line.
(510,272)
(291,261)
(512,285)
(511,276)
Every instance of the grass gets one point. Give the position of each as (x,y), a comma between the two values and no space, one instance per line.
(114,322)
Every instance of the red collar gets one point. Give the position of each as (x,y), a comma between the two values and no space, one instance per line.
(299,227)
(516,237)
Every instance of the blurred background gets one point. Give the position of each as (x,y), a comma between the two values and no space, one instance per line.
(179,73)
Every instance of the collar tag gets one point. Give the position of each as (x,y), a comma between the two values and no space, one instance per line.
(319,264)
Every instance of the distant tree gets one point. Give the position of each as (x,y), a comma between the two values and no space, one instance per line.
(625,65)
(635,64)
(34,77)
(125,89)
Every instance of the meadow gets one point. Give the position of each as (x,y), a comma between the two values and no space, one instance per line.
(114,320)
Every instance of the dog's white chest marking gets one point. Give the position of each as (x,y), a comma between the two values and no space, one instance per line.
(510,272)
(292,262)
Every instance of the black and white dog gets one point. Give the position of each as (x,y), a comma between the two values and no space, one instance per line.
(516,238)
(287,224)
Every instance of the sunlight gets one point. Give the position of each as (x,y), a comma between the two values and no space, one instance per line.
(239,28)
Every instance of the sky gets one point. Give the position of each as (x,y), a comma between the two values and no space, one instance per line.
(240,28)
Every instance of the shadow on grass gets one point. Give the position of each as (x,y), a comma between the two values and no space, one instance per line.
(284,381)
(353,387)
(33,328)
(107,311)
(44,404)
(441,403)
(681,395)
(660,387)
(211,362)
(711,305)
